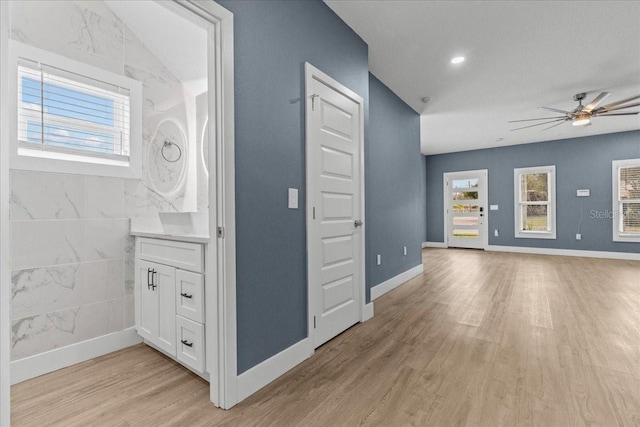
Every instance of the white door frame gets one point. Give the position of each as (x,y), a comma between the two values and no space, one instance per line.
(5,275)
(221,323)
(483,202)
(220,302)
(312,73)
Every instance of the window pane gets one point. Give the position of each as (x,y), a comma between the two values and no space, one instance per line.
(462,208)
(630,218)
(630,183)
(465,183)
(535,218)
(465,220)
(469,234)
(465,195)
(534,187)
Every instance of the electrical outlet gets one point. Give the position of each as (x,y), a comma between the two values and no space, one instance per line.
(496,232)
(578,236)
(405,250)
(378,259)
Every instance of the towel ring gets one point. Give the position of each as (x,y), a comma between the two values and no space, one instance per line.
(168,144)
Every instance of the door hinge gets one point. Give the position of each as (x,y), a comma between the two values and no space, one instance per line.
(220,232)
(314,322)
(313,101)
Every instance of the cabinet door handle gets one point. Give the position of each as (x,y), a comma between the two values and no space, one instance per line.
(186,295)
(153,279)
(149,278)
(187,343)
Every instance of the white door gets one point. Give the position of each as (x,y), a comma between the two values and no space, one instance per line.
(334,189)
(465,204)
(164,283)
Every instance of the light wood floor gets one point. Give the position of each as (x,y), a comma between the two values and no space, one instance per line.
(482,339)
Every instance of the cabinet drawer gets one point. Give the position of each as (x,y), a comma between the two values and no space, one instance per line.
(190,295)
(190,343)
(184,255)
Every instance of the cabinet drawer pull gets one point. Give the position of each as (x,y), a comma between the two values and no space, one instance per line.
(186,295)
(187,343)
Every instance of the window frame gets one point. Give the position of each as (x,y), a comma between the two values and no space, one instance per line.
(74,161)
(551,203)
(616,207)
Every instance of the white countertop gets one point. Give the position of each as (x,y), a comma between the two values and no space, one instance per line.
(193,238)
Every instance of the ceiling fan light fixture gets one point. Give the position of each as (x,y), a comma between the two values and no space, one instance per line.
(581,120)
(457,59)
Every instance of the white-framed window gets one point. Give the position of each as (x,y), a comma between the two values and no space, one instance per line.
(73,117)
(535,202)
(626,200)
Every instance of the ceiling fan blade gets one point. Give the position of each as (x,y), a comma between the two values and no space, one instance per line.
(622,107)
(540,124)
(552,126)
(615,104)
(542,118)
(597,100)
(618,114)
(556,110)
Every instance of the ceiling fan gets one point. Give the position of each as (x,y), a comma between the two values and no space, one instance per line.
(582,115)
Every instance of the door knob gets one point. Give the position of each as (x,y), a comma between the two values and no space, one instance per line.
(357,223)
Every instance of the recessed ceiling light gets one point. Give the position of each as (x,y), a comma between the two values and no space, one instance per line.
(457,59)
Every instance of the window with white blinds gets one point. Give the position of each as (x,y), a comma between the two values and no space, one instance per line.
(626,199)
(74,117)
(62,111)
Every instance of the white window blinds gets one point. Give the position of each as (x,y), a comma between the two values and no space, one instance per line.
(66,112)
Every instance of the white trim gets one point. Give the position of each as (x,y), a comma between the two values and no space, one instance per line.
(483,202)
(551,203)
(220,253)
(615,209)
(434,245)
(312,73)
(5,274)
(368,312)
(389,285)
(566,252)
(44,363)
(262,374)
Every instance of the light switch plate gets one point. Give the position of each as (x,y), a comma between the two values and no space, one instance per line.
(583,193)
(293,198)
(493,207)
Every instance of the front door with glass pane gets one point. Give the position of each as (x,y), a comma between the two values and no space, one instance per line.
(465,196)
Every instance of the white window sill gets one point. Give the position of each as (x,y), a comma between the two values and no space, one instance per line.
(629,238)
(535,235)
(45,161)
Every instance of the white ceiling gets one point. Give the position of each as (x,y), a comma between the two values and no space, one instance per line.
(520,55)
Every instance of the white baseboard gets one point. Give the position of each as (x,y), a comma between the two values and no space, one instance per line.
(565,252)
(262,374)
(368,312)
(434,245)
(384,287)
(43,363)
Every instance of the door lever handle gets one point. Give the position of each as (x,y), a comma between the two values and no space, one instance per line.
(357,223)
(187,343)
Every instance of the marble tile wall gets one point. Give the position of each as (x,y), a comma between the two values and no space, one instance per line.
(69,243)
(72,257)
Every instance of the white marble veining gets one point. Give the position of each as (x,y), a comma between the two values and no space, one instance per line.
(44,195)
(46,289)
(129,265)
(44,332)
(129,311)
(44,243)
(85,31)
(167,176)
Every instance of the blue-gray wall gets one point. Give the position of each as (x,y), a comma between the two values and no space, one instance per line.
(580,163)
(273,39)
(394,186)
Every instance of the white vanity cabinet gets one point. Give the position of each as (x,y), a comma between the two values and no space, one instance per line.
(170,299)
